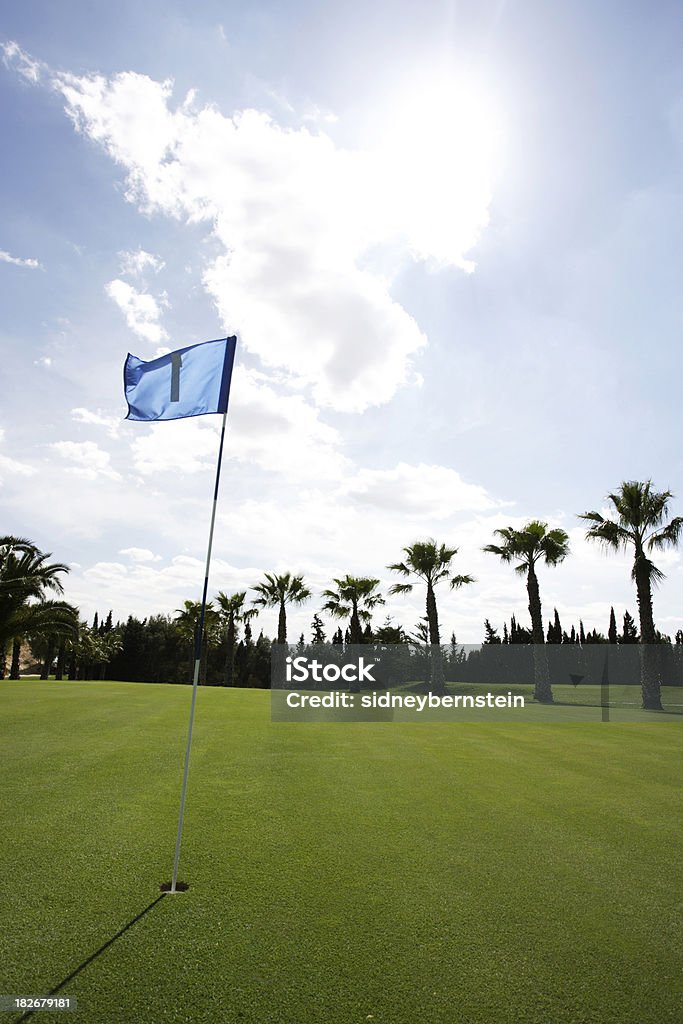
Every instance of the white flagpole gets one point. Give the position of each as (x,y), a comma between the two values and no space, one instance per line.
(197,659)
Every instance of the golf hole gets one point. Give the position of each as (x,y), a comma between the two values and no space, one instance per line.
(179,886)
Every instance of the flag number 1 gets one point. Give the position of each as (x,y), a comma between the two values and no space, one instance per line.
(176,363)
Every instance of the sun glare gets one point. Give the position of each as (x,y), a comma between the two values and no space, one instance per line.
(439,138)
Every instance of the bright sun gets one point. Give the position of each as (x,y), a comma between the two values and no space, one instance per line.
(439,139)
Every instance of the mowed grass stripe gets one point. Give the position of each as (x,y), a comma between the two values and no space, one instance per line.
(455,873)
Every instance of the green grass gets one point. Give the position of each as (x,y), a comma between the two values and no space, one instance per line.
(393,873)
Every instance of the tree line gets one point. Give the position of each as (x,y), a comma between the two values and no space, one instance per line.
(160,648)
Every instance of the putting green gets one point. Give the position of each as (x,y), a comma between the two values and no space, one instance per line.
(389,872)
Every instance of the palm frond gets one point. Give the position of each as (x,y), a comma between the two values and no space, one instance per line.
(461,581)
(654,574)
(400,567)
(554,546)
(400,588)
(591,517)
(607,532)
(668,536)
(335,604)
(275,589)
(496,549)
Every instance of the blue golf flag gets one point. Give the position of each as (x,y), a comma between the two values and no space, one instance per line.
(192,381)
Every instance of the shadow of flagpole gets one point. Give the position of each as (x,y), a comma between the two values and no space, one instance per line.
(93,956)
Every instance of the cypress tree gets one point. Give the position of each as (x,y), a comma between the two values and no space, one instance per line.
(554,635)
(318,636)
(518,634)
(612,631)
(630,633)
(456,655)
(558,629)
(491,634)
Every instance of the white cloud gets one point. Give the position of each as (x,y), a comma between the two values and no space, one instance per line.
(281,433)
(12,467)
(14,56)
(184,446)
(19,261)
(112,424)
(140,554)
(336,328)
(141,310)
(314,113)
(278,433)
(8,465)
(106,571)
(87,459)
(132,589)
(296,216)
(421,491)
(136,262)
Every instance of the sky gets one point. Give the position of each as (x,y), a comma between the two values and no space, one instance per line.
(448,237)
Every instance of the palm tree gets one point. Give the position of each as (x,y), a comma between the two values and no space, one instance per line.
(533,543)
(431,563)
(279,591)
(419,639)
(231,612)
(25,571)
(42,624)
(640,523)
(25,577)
(187,623)
(354,599)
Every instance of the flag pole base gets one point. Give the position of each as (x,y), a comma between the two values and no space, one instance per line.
(179,887)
